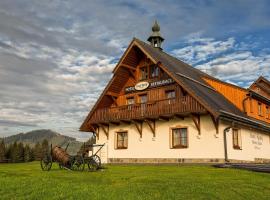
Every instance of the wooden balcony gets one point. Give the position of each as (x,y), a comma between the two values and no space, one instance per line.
(156,109)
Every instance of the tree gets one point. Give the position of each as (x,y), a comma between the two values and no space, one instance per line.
(37,151)
(2,151)
(28,156)
(20,152)
(8,152)
(45,147)
(14,153)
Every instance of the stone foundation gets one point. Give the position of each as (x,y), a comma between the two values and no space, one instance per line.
(179,160)
(162,160)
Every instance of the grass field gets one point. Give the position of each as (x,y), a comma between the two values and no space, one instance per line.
(27,181)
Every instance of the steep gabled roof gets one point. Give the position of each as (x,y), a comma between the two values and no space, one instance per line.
(190,78)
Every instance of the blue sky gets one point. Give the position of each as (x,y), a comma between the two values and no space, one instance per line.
(56,56)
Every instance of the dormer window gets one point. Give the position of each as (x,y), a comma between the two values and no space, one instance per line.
(154,69)
(143,73)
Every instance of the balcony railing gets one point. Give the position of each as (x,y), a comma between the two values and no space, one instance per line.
(184,105)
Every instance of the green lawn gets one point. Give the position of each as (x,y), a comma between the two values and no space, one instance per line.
(27,181)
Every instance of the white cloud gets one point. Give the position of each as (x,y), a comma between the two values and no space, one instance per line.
(228,60)
(200,49)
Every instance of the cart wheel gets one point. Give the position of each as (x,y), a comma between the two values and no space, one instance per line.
(46,162)
(94,163)
(78,164)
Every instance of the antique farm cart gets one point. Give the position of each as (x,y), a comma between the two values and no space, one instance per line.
(65,161)
(92,159)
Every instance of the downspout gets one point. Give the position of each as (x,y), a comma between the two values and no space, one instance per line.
(225,143)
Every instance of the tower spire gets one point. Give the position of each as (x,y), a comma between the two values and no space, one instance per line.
(155,38)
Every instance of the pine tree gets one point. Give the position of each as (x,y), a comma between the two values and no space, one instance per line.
(32,154)
(15,156)
(2,151)
(20,152)
(45,147)
(27,153)
(8,152)
(37,151)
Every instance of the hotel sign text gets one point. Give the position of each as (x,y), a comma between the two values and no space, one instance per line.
(144,85)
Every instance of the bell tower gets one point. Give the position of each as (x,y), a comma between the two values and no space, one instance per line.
(155,38)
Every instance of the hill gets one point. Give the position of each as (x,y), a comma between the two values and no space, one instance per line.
(53,138)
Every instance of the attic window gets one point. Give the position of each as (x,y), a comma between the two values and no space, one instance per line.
(154,71)
(143,73)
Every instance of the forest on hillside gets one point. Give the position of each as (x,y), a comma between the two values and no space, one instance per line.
(18,152)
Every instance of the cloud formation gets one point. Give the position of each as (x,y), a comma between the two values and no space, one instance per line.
(57,56)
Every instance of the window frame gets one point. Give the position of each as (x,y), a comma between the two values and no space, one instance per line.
(150,71)
(237,146)
(260,110)
(146,72)
(139,99)
(180,146)
(123,146)
(130,97)
(267,112)
(168,91)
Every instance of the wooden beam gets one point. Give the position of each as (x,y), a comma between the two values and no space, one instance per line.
(197,121)
(113,94)
(215,122)
(128,66)
(138,125)
(105,129)
(115,122)
(126,121)
(152,126)
(165,117)
(114,99)
(97,132)
(91,127)
(132,74)
(180,116)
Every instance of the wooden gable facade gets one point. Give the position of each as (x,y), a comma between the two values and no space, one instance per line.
(262,87)
(141,91)
(255,102)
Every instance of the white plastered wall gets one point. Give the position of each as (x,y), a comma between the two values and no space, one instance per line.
(208,145)
(255,144)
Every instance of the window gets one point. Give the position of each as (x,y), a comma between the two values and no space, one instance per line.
(143,98)
(179,138)
(170,94)
(122,140)
(267,113)
(154,69)
(143,73)
(260,109)
(130,100)
(236,138)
